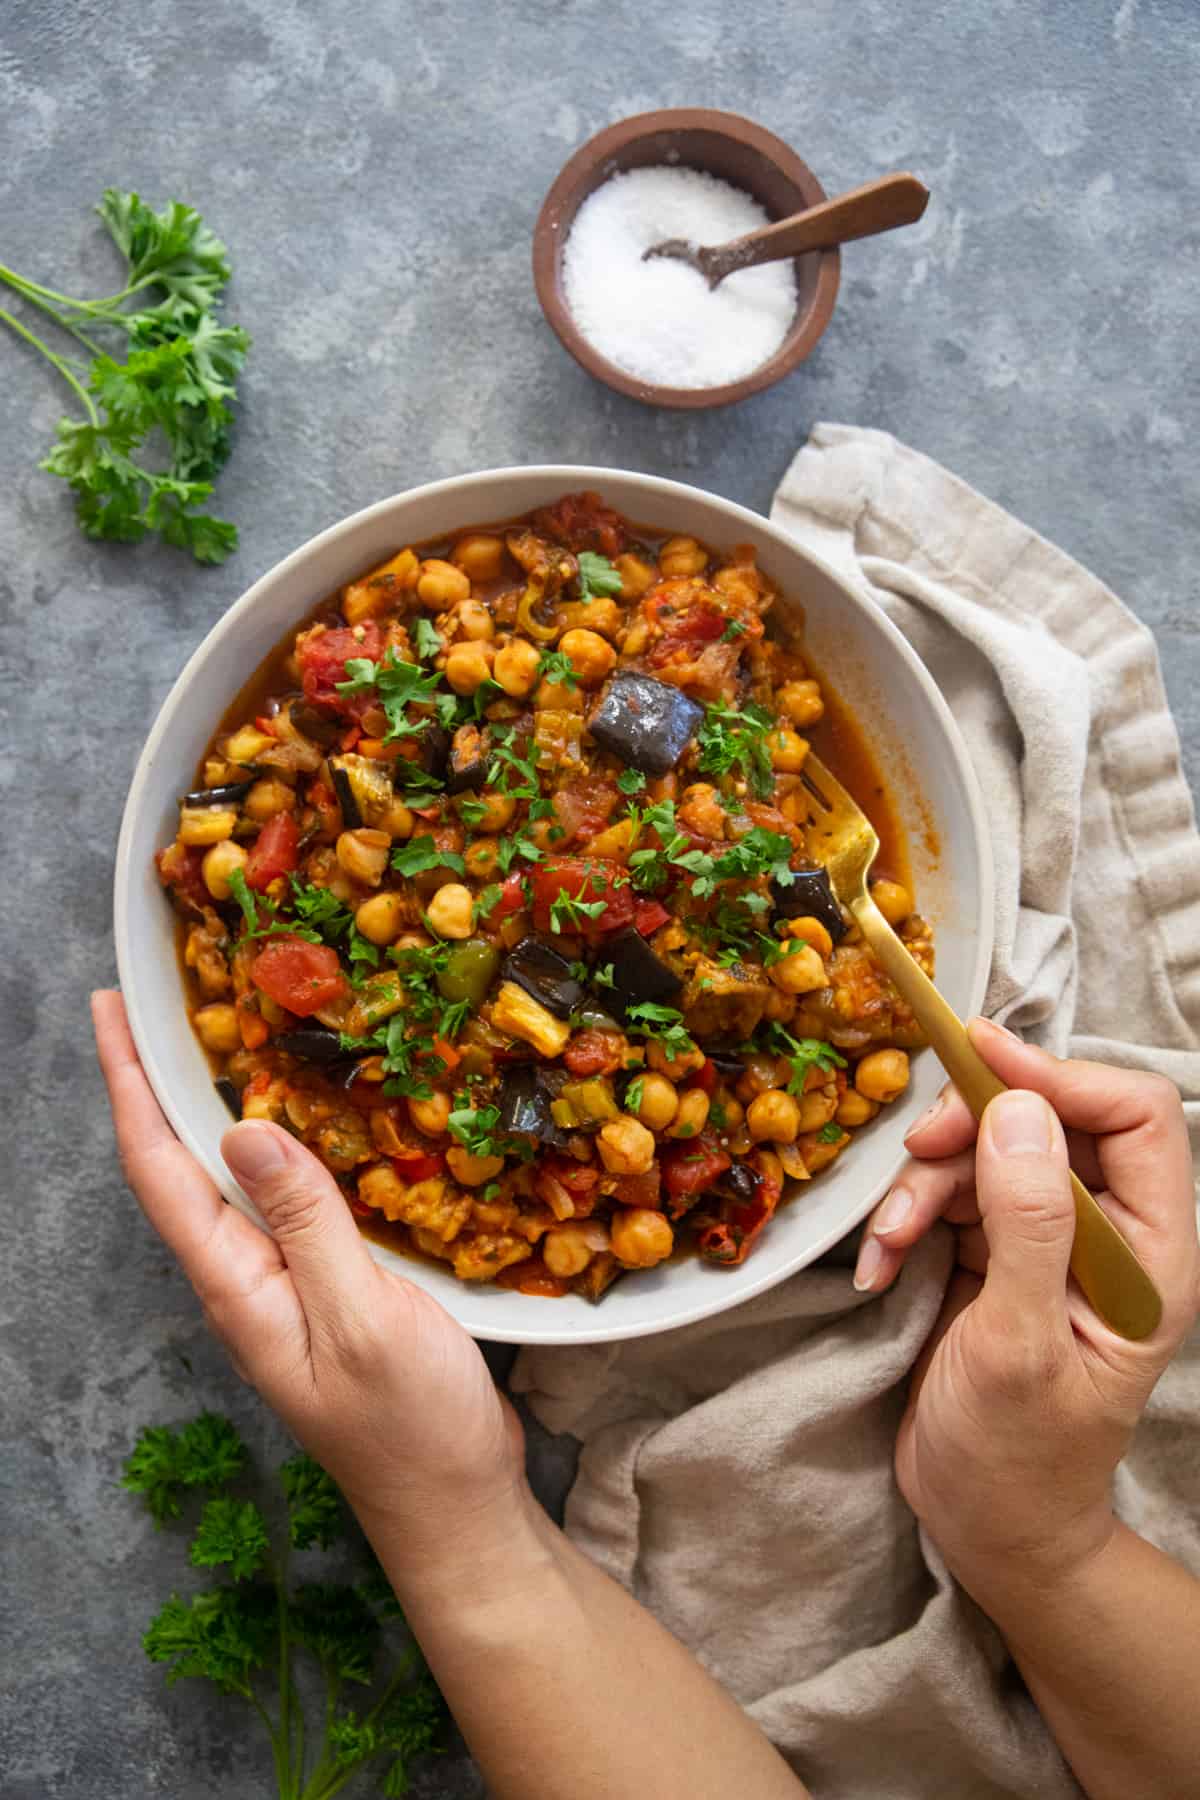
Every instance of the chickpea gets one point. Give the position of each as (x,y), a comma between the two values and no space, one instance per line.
(589,655)
(475,621)
(202,825)
(217,1026)
(732,1112)
(568,1248)
(430,1116)
(658,1103)
(516,668)
(801,971)
(801,701)
(774,1116)
(472,1171)
(268,797)
(636,638)
(480,557)
(813,932)
(882,1076)
(692,1116)
(413,940)
(398,821)
(702,810)
(451,912)
(380,918)
(682,556)
(376,593)
(677,1067)
(626,1147)
(641,1237)
(637,577)
(500,810)
(894,902)
(441,584)
(219,864)
(556,696)
(482,858)
(816,1109)
(603,615)
(468,666)
(788,751)
(739,585)
(854,1109)
(818,1154)
(363,855)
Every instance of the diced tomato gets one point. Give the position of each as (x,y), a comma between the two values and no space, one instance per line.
(576,1177)
(512,898)
(567,1187)
(323,660)
(594,1053)
(641,1190)
(266,726)
(274,851)
(705,1078)
(699,626)
(586,879)
(689,1167)
(351,736)
(734,1236)
(301,976)
(418,1167)
(583,522)
(584,805)
(533,1277)
(649,916)
(179,868)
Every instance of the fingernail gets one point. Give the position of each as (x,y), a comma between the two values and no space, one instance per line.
(252,1152)
(870,1260)
(995,1025)
(1019,1124)
(926,1118)
(894,1211)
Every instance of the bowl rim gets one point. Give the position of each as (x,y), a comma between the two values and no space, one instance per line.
(557,215)
(570,475)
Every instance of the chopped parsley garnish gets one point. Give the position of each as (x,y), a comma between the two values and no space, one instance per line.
(330,922)
(486,899)
(735,629)
(426,641)
(634,1092)
(569,914)
(473,812)
(556,666)
(735,742)
(603,976)
(664,1024)
(597,576)
(399,684)
(519,845)
(631,781)
(473,1126)
(421,853)
(511,773)
(802,1054)
(831,1133)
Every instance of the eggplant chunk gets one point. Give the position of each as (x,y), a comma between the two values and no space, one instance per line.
(314,1043)
(467,765)
(647,723)
(809,895)
(538,968)
(525,1101)
(638,974)
(738,1182)
(435,750)
(228,794)
(315,725)
(229,1095)
(598,1277)
(364,790)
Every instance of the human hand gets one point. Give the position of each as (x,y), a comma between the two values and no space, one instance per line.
(1023,1400)
(373,1377)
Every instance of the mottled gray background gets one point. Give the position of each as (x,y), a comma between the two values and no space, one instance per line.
(376,170)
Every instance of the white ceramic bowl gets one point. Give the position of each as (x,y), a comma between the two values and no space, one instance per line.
(852,643)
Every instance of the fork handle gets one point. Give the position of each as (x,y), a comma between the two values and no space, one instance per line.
(1110,1275)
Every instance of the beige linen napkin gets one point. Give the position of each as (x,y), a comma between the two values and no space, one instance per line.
(736,1475)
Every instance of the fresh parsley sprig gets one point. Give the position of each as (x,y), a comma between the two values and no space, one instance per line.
(597,576)
(154,430)
(734,741)
(663,1024)
(244,1635)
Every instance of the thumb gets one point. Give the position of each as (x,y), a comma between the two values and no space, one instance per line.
(305,1211)
(1022,1182)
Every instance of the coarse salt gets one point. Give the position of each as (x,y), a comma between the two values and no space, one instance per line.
(660,320)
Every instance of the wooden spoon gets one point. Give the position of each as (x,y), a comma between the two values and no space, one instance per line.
(863,212)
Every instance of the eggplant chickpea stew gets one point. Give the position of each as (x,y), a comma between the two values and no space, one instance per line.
(500,889)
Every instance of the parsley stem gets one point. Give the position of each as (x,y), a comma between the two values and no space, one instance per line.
(58,362)
(30,293)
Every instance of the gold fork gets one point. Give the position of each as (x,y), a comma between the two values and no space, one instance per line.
(1106,1269)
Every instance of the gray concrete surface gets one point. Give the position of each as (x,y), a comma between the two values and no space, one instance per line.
(376,170)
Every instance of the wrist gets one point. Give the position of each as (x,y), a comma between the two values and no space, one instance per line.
(1022,1582)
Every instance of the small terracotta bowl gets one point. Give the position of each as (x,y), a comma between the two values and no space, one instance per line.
(727,146)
